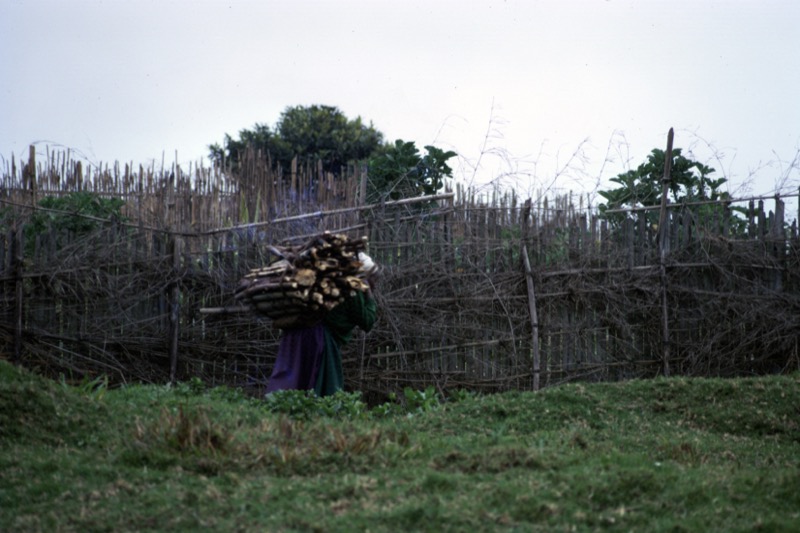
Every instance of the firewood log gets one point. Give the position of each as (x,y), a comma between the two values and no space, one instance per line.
(326,264)
(305,277)
(302,296)
(356,283)
(279,267)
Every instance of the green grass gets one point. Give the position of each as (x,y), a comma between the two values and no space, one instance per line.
(661,455)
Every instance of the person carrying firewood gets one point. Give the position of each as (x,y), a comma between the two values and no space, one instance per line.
(310,357)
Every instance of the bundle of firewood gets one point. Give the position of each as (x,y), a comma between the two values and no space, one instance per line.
(307,281)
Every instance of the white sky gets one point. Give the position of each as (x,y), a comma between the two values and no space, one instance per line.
(603,79)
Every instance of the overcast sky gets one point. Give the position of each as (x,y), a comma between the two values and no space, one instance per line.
(559,94)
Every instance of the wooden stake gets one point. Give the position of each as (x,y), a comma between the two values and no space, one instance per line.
(175,310)
(533,315)
(225,310)
(17,258)
(663,244)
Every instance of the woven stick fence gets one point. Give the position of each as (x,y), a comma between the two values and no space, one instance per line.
(456,303)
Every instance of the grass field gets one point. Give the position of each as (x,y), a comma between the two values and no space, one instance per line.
(660,455)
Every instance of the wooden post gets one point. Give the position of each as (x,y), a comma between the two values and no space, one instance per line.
(778,236)
(30,177)
(524,223)
(663,245)
(17,258)
(31,174)
(363,360)
(175,308)
(362,185)
(534,317)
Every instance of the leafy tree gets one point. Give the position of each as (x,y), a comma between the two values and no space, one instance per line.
(313,133)
(260,137)
(77,213)
(400,171)
(690,181)
(72,212)
(324,133)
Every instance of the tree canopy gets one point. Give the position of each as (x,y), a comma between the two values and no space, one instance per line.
(259,138)
(321,133)
(310,133)
(324,133)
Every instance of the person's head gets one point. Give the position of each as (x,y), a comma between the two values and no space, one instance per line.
(367,264)
(368,269)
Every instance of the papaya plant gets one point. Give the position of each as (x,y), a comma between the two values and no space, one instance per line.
(400,171)
(689,182)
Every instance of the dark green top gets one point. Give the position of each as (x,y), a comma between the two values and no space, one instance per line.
(359,310)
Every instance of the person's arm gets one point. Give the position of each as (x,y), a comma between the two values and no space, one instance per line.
(365,313)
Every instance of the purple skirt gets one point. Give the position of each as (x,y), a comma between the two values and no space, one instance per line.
(299,359)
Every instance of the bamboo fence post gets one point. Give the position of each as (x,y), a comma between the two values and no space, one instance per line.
(362,186)
(17,245)
(533,316)
(628,227)
(778,243)
(174,316)
(32,174)
(362,361)
(663,245)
